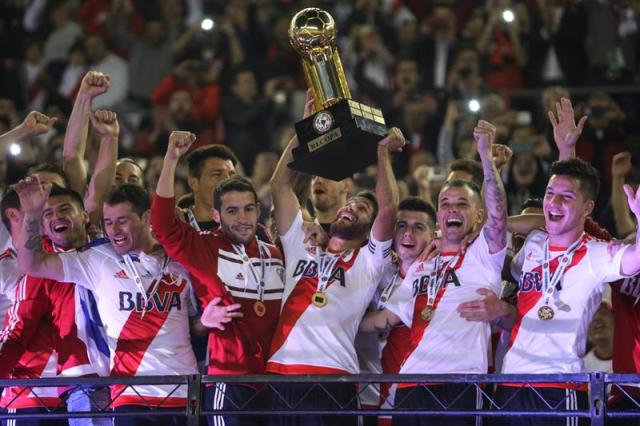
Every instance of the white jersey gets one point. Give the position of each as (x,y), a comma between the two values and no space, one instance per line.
(557,346)
(151,341)
(448,343)
(311,339)
(9,277)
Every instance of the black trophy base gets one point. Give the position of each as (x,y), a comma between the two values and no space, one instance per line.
(338,141)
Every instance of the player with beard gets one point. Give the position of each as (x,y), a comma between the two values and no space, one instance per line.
(328,291)
(384,351)
(441,340)
(327,196)
(137,287)
(231,264)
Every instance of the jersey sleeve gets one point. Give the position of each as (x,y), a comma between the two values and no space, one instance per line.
(180,241)
(81,268)
(402,299)
(605,267)
(378,254)
(23,318)
(293,240)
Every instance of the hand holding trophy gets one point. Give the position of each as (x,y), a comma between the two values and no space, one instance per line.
(341,137)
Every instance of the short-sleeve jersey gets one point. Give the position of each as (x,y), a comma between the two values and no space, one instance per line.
(151,339)
(444,344)
(551,346)
(311,339)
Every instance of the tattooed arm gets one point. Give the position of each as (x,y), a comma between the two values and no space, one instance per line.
(32,259)
(495,230)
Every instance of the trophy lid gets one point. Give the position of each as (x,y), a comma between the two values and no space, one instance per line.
(310,29)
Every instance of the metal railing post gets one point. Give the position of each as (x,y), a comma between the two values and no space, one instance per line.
(597,398)
(194,399)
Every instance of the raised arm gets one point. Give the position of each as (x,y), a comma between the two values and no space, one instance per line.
(386,186)
(495,199)
(35,123)
(565,130)
(75,138)
(285,202)
(631,257)
(32,259)
(620,167)
(105,124)
(179,144)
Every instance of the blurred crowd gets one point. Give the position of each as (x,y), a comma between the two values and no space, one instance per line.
(225,71)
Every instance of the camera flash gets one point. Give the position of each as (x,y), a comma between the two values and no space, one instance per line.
(508,15)
(474,105)
(207,24)
(15,149)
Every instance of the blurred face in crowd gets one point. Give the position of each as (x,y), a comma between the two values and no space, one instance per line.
(245,85)
(353,221)
(214,170)
(565,207)
(180,106)
(414,230)
(50,177)
(264,166)
(601,328)
(459,211)
(127,172)
(124,227)
(64,221)
(467,62)
(443,22)
(525,168)
(407,76)
(407,32)
(60,15)
(96,48)
(34,52)
(327,194)
(155,32)
(551,95)
(238,215)
(599,111)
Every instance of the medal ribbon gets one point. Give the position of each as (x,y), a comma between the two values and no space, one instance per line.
(388,290)
(436,279)
(192,220)
(240,250)
(155,283)
(548,282)
(326,264)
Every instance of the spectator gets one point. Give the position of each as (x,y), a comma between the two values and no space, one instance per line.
(599,358)
(105,61)
(65,33)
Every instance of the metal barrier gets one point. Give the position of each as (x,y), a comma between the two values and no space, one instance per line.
(624,385)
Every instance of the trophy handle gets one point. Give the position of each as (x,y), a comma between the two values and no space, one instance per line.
(325,76)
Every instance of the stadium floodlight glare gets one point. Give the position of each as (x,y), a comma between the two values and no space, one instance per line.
(207,24)
(508,15)
(474,105)
(15,149)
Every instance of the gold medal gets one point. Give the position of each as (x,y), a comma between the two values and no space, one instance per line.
(427,313)
(319,299)
(545,313)
(259,308)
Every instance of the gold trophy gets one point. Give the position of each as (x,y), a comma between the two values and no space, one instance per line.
(341,137)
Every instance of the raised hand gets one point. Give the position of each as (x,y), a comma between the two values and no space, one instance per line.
(394,141)
(633,198)
(501,155)
(179,144)
(33,194)
(216,315)
(36,123)
(485,134)
(105,123)
(309,105)
(621,164)
(94,83)
(486,309)
(315,234)
(565,130)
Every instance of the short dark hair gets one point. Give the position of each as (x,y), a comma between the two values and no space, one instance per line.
(371,198)
(131,161)
(417,204)
(473,167)
(532,203)
(135,195)
(585,173)
(58,191)
(459,183)
(9,201)
(50,168)
(232,184)
(198,156)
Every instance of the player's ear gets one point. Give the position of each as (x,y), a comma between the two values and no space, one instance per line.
(216,215)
